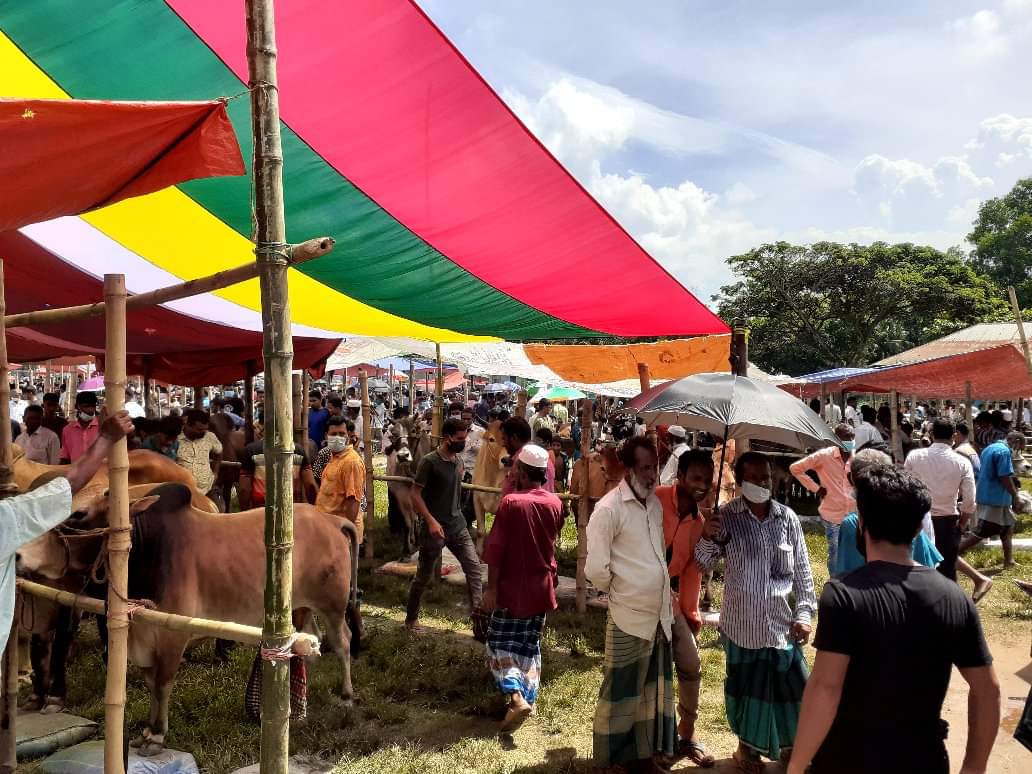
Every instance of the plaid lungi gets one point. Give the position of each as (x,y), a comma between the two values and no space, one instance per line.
(634,719)
(514,653)
(762,694)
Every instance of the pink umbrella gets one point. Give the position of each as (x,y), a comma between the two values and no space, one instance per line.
(96,384)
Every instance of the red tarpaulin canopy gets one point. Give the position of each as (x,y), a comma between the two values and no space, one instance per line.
(997,373)
(63,157)
(184,350)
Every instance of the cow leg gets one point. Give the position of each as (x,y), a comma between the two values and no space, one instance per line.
(67,627)
(478,506)
(339,635)
(166,661)
(39,652)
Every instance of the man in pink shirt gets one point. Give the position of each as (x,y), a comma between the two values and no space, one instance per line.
(831,465)
(79,434)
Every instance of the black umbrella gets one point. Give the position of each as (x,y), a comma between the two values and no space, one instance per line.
(733,407)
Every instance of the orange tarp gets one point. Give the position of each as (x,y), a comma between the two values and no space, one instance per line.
(597,364)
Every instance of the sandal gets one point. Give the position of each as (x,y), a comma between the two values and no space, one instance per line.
(747,763)
(696,753)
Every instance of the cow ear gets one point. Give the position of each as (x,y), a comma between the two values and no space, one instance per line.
(139,506)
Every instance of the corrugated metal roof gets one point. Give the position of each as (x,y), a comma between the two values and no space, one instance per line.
(979,336)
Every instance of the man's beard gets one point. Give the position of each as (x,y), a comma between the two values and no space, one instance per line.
(640,489)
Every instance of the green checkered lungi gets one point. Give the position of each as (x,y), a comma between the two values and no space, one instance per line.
(634,719)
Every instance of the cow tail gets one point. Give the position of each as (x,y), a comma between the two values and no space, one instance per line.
(352,614)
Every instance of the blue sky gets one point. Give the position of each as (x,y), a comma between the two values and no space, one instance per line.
(708,128)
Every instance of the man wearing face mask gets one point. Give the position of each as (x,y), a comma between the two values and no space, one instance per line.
(634,719)
(343,478)
(79,435)
(437,500)
(831,465)
(766,566)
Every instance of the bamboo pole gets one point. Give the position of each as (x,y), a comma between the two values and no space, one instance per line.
(521,403)
(148,401)
(644,380)
(893,424)
(249,402)
(824,401)
(270,239)
(438,398)
(412,387)
(306,389)
(118,537)
(1021,327)
(198,397)
(9,705)
(583,507)
(296,402)
(297,254)
(740,366)
(367,454)
(390,392)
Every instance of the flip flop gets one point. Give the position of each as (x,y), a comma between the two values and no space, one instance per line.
(981,590)
(696,753)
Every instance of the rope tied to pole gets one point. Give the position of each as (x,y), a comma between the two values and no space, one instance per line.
(275,252)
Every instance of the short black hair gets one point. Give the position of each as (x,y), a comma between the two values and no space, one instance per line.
(455,406)
(962,429)
(694,457)
(339,420)
(335,402)
(851,399)
(197,416)
(996,417)
(535,474)
(815,405)
(503,414)
(315,394)
(868,413)
(891,502)
(400,412)
(51,397)
(170,426)
(453,426)
(86,399)
(628,451)
(749,458)
(544,435)
(984,418)
(518,428)
(943,429)
(34,409)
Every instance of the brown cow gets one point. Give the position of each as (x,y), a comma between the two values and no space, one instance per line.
(401,513)
(488,471)
(208,565)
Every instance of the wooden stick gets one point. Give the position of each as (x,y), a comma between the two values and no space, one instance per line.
(148,403)
(1021,327)
(893,424)
(296,402)
(118,519)
(306,389)
(644,380)
(438,423)
(412,387)
(584,506)
(367,453)
(271,231)
(249,402)
(9,705)
(306,251)
(390,392)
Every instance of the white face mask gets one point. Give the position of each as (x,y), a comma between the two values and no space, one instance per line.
(755,494)
(84,417)
(336,443)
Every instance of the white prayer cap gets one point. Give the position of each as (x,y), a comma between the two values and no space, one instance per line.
(677,430)
(354,403)
(533,455)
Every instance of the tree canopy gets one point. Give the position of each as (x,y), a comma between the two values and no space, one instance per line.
(1002,236)
(828,304)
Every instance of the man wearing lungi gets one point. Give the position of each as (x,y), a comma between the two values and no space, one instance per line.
(521,578)
(634,720)
(766,562)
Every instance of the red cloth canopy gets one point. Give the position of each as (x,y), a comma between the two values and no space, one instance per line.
(996,373)
(183,349)
(63,157)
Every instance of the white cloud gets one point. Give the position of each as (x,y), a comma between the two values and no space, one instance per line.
(1002,140)
(981,34)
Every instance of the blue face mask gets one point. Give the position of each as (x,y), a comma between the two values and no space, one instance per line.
(849,445)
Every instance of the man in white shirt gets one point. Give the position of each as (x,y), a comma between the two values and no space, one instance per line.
(833,413)
(678,437)
(866,432)
(132,406)
(634,719)
(852,415)
(38,443)
(948,474)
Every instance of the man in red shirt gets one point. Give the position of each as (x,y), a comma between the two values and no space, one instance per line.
(685,507)
(521,578)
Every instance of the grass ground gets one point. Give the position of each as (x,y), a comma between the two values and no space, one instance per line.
(426,705)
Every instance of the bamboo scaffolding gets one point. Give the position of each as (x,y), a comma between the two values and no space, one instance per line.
(306,389)
(367,455)
(118,537)
(296,254)
(9,705)
(438,423)
(272,260)
(584,506)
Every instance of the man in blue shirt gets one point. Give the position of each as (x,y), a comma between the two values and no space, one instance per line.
(317,418)
(995,492)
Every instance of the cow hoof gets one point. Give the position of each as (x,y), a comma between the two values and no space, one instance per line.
(53,706)
(150,748)
(32,704)
(140,741)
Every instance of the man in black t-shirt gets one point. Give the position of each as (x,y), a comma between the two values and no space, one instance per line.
(888,636)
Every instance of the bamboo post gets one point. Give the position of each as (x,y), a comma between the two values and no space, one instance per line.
(148,402)
(412,387)
(1021,327)
(249,402)
(198,397)
(367,454)
(270,239)
(296,403)
(644,379)
(584,506)
(118,520)
(740,366)
(824,401)
(521,403)
(893,424)
(306,389)
(438,398)
(390,392)
(71,392)
(9,706)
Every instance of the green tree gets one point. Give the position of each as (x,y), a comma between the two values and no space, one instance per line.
(1002,236)
(828,304)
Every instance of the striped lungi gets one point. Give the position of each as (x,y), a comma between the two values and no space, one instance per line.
(514,653)
(762,694)
(634,719)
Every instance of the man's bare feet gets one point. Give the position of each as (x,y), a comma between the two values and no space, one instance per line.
(415,627)
(981,589)
(518,712)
